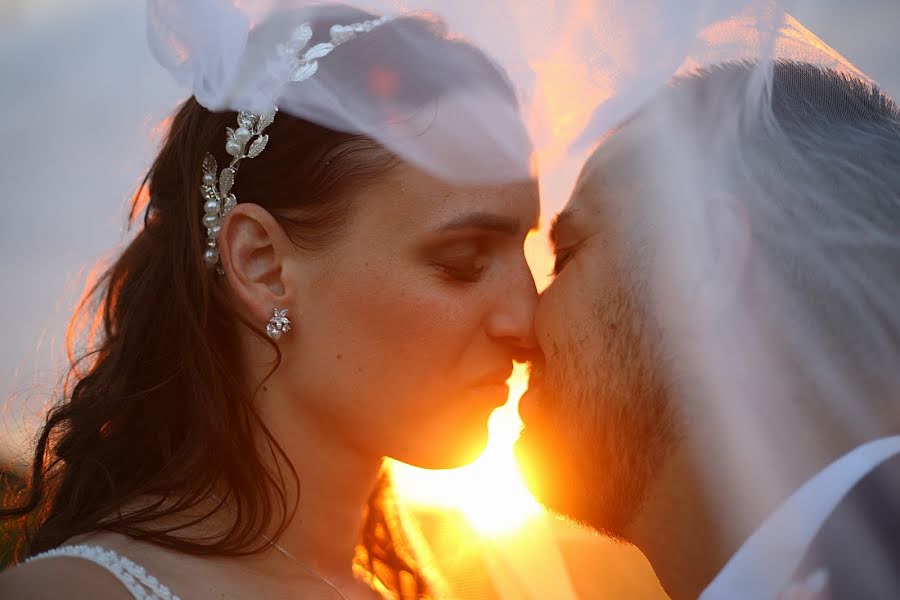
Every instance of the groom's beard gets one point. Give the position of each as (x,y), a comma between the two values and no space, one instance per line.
(601,429)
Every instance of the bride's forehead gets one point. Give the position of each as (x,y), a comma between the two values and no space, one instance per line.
(418,190)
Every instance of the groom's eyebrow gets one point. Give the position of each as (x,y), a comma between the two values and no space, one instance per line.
(485,222)
(561,222)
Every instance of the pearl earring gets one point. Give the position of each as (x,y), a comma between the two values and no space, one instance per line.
(278,324)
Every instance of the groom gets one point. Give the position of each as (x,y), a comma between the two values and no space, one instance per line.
(735,418)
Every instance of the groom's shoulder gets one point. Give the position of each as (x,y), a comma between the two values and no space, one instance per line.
(859,543)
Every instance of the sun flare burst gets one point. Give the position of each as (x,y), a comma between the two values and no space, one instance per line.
(490,491)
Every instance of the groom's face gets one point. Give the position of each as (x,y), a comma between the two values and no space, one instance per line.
(598,419)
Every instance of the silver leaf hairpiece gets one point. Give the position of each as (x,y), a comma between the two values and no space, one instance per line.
(216,187)
(291,63)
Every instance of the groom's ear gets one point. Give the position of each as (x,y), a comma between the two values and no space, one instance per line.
(254,249)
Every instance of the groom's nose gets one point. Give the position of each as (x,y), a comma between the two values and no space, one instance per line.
(511,320)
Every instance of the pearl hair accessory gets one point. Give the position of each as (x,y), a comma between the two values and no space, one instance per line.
(278,324)
(288,65)
(216,190)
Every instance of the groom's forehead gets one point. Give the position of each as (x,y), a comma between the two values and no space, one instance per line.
(612,163)
(605,192)
(597,181)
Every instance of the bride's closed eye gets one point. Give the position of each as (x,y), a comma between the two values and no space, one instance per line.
(462,260)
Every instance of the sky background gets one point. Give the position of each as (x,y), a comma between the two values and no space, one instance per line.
(79,91)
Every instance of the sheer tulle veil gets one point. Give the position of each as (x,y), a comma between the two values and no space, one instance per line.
(579,69)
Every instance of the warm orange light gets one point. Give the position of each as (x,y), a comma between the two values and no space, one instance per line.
(489,492)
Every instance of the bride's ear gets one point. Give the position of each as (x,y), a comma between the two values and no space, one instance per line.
(253,248)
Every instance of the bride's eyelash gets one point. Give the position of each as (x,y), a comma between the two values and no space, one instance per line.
(464,262)
(467,275)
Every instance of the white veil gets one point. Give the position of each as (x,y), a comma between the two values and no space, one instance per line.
(577,70)
(775,219)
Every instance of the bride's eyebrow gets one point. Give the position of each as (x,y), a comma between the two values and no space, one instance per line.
(483,221)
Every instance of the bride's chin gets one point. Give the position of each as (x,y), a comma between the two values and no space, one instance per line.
(491,396)
(464,447)
(462,434)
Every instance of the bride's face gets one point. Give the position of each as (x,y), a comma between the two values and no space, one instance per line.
(406,327)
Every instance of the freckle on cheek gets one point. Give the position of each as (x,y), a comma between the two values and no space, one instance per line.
(339,356)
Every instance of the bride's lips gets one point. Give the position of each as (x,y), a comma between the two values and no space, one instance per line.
(494,378)
(493,385)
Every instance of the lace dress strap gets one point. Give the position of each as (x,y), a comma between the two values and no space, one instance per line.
(133,576)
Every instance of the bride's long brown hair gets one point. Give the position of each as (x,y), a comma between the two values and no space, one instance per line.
(154,419)
(154,408)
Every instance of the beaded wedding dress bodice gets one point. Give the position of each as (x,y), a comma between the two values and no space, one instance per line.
(142,585)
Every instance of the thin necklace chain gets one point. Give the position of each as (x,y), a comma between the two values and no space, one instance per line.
(303,564)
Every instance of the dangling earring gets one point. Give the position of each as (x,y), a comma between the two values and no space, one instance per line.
(278,324)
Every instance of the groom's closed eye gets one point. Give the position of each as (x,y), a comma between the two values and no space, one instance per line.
(562,258)
(563,238)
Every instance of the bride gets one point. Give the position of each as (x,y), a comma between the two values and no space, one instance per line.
(298,304)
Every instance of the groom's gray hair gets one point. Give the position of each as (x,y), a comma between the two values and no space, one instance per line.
(815,161)
(819,176)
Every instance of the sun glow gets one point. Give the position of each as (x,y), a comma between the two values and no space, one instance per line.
(489,492)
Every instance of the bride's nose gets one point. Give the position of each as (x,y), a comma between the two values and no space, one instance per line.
(511,318)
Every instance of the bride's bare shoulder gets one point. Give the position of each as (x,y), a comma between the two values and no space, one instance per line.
(68,576)
(60,577)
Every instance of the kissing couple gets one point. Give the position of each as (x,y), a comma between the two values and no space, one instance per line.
(329,270)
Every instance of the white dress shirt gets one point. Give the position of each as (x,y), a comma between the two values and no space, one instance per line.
(763,566)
